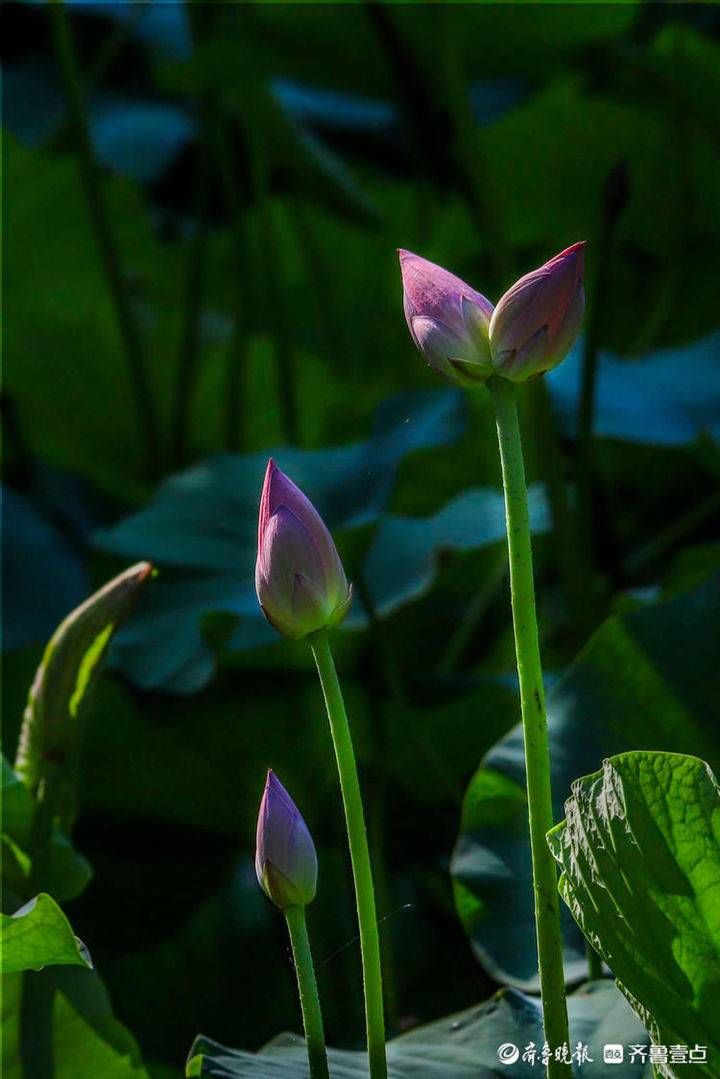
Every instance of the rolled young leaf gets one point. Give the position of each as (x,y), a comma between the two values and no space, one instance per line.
(49,733)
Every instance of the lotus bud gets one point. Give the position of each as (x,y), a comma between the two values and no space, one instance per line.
(285,858)
(536,322)
(299,578)
(448,321)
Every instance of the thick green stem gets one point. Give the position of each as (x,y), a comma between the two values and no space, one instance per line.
(70,74)
(532,700)
(307,987)
(359,855)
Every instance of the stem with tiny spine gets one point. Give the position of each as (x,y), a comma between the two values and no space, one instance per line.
(307,988)
(359,854)
(534,722)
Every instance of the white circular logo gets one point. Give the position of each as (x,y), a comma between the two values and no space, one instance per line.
(508,1053)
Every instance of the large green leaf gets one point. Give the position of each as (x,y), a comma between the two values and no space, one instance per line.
(647,678)
(461,1046)
(64,354)
(639,851)
(74,1032)
(39,935)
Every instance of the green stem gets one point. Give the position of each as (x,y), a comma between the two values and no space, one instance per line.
(70,74)
(532,700)
(237,356)
(595,963)
(190,337)
(359,855)
(307,987)
(473,615)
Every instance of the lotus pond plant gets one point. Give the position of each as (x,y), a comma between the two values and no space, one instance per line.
(303,591)
(287,869)
(304,594)
(465,338)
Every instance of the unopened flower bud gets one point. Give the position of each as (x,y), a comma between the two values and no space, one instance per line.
(448,321)
(285,858)
(535,323)
(300,581)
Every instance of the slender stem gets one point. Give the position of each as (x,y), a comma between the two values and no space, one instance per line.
(532,700)
(473,614)
(572,562)
(237,356)
(595,963)
(307,987)
(70,74)
(359,855)
(586,408)
(190,335)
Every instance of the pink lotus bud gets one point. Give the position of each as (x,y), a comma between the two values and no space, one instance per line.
(285,858)
(537,320)
(299,578)
(448,320)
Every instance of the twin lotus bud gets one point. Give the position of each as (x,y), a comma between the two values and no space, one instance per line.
(285,858)
(463,337)
(299,578)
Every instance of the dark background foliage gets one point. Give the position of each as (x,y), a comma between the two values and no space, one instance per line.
(200,267)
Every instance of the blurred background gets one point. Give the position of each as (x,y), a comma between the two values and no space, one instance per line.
(202,206)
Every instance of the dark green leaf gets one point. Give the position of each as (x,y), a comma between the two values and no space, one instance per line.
(74,1030)
(639,851)
(650,677)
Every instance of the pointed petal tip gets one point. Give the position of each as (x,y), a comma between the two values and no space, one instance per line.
(576,250)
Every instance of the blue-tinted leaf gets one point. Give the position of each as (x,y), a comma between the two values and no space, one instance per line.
(154,22)
(400,564)
(667,398)
(205,520)
(43,575)
(140,139)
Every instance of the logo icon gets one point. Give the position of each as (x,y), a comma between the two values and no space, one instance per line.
(508,1053)
(613,1054)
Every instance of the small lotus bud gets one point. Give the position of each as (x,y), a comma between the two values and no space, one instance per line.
(299,578)
(537,320)
(448,320)
(285,858)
